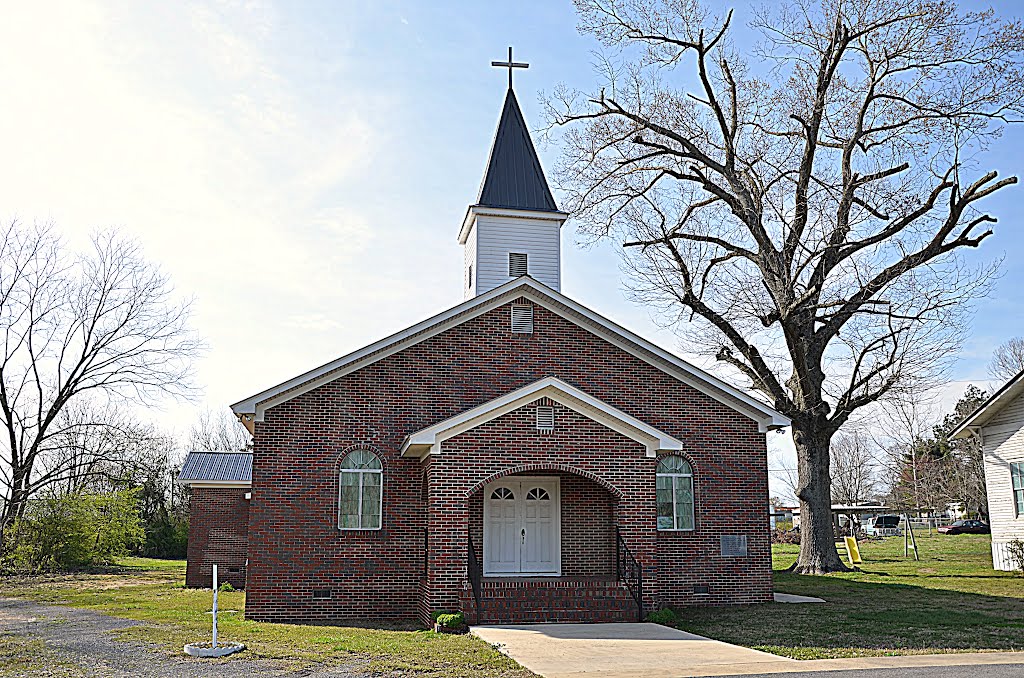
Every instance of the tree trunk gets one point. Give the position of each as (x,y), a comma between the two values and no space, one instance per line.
(818,554)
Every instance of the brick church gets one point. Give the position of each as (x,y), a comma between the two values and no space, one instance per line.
(518,457)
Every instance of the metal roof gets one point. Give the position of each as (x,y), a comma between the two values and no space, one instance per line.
(514,178)
(212,467)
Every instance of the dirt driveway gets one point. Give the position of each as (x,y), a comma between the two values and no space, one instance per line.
(64,642)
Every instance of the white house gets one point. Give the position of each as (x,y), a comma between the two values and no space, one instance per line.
(999,422)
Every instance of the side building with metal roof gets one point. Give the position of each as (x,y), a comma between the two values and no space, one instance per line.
(218,529)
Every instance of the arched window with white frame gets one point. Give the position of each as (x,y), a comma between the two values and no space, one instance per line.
(675,494)
(360,485)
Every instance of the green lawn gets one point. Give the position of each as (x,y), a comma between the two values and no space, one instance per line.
(949,601)
(151,591)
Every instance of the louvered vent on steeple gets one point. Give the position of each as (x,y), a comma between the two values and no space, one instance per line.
(517,264)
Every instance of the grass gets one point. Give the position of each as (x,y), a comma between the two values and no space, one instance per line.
(949,601)
(151,591)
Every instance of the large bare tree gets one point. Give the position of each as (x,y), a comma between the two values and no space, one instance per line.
(798,206)
(101,326)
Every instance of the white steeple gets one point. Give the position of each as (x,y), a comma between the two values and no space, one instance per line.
(514,228)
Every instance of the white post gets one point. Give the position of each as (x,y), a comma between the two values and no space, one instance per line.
(215,606)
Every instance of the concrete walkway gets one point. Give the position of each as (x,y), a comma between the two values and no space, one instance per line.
(654,651)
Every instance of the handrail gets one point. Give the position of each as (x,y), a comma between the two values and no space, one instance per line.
(629,571)
(475,573)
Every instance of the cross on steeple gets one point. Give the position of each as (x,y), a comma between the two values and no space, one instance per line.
(509,65)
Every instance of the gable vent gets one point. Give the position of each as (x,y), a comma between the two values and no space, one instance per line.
(734,545)
(517,264)
(545,418)
(522,319)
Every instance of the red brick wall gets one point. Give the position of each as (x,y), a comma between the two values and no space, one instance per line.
(296,547)
(218,532)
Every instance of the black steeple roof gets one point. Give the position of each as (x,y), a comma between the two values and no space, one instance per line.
(514,178)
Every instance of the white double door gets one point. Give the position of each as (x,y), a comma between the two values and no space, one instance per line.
(522,525)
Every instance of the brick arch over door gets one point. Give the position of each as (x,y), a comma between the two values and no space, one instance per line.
(589,515)
(543,466)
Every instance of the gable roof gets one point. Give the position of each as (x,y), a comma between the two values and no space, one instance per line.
(217,468)
(252,408)
(1009,392)
(514,178)
(425,441)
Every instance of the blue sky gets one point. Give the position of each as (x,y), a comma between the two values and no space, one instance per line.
(301,169)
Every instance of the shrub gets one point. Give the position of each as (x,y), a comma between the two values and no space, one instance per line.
(451,621)
(1016,551)
(666,616)
(75,530)
(437,613)
(226,587)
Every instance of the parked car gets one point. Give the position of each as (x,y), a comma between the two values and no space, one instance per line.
(965,527)
(884,526)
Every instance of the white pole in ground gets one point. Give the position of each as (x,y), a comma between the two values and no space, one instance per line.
(215,606)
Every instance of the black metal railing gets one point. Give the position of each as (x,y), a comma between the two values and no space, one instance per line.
(629,572)
(476,572)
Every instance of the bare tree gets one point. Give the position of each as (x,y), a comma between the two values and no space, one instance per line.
(853,470)
(1007,360)
(101,325)
(97,448)
(798,208)
(219,431)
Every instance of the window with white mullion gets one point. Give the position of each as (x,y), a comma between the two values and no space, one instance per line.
(674,490)
(359,492)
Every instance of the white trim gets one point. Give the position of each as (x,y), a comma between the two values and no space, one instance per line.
(555,483)
(224,484)
(474,211)
(427,441)
(990,408)
(253,408)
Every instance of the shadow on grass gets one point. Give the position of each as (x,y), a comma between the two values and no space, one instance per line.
(862,618)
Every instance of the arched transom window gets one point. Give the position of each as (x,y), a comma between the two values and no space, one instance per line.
(675,494)
(359,491)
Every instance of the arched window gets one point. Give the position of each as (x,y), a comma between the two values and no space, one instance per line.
(359,491)
(675,494)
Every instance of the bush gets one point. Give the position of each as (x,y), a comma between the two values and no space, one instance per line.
(166,536)
(74,530)
(226,587)
(450,621)
(666,616)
